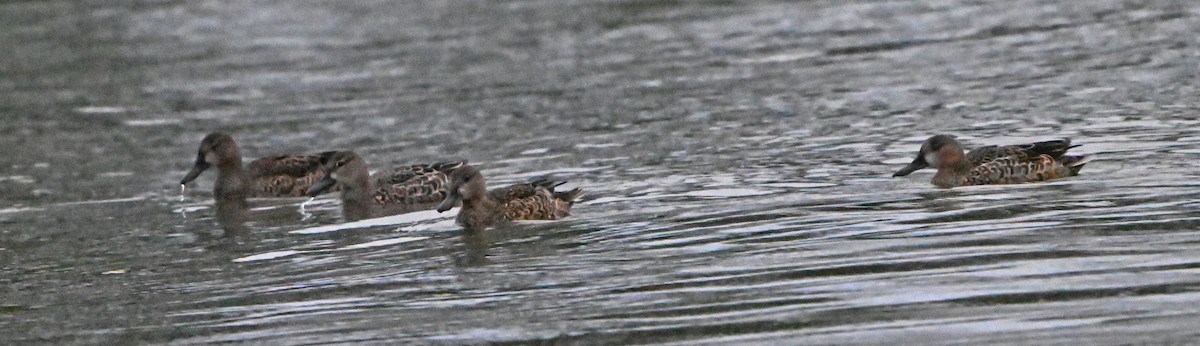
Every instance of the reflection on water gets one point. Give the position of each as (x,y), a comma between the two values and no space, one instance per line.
(737,161)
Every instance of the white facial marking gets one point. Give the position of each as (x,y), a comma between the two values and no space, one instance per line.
(932,159)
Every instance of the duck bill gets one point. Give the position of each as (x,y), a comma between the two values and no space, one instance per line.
(918,163)
(321,186)
(198,168)
(451,200)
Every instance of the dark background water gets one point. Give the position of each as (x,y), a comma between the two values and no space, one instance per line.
(737,159)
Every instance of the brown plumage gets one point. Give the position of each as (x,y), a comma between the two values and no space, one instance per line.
(399,190)
(279,176)
(995,164)
(481,209)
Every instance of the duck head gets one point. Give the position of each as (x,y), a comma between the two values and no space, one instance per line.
(466,184)
(215,149)
(937,151)
(345,167)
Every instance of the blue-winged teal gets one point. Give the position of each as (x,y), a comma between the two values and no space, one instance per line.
(1009,164)
(279,176)
(482,208)
(399,190)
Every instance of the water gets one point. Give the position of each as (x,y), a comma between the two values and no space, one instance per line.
(736,157)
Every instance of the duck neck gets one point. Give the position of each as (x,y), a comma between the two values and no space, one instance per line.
(484,203)
(952,159)
(357,199)
(952,168)
(479,214)
(229,160)
(232,182)
(959,166)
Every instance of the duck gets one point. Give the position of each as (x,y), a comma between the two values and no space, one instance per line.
(481,208)
(1009,164)
(268,177)
(399,190)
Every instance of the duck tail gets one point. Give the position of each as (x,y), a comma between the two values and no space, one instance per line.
(1075,162)
(546,183)
(569,196)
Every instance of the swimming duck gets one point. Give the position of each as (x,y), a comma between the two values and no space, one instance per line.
(1010,164)
(399,190)
(278,176)
(481,208)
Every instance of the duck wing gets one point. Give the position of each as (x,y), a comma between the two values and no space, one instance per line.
(535,200)
(1054,149)
(286,175)
(415,184)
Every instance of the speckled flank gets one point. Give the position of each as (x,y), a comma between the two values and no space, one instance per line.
(285,176)
(397,190)
(535,200)
(415,184)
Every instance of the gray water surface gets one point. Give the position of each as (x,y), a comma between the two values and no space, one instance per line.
(737,158)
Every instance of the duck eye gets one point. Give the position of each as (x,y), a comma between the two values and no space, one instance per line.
(341,163)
